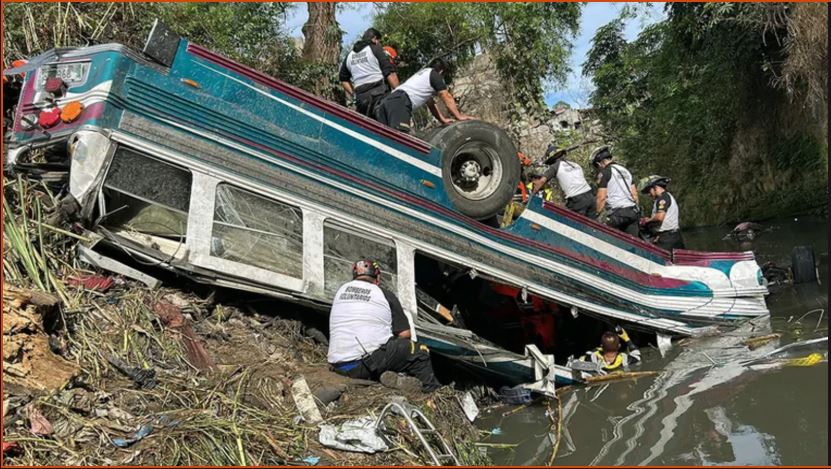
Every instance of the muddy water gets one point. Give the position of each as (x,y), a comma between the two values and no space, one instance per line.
(702,407)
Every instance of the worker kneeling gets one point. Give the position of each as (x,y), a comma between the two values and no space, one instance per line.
(608,356)
(369,335)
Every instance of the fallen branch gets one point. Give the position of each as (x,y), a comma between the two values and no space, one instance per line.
(619,376)
(559,429)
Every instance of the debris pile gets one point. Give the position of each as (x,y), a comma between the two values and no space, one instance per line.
(107,371)
(28,360)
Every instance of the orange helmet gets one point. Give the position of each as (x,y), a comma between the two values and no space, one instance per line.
(392,54)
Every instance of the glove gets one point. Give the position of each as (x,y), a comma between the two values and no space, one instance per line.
(621,332)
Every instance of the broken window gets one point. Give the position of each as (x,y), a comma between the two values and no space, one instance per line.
(342,247)
(499,312)
(146,195)
(251,229)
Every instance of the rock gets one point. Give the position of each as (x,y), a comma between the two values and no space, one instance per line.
(39,425)
(328,394)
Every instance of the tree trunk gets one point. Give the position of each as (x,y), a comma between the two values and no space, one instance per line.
(322,45)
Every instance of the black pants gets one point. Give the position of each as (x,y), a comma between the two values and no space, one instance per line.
(399,355)
(625,219)
(669,240)
(396,111)
(368,97)
(583,204)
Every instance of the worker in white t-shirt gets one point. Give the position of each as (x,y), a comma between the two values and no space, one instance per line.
(569,175)
(396,110)
(370,338)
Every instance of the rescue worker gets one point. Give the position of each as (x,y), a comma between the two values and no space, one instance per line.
(536,187)
(364,70)
(396,110)
(616,192)
(517,205)
(578,193)
(369,335)
(392,55)
(664,214)
(609,357)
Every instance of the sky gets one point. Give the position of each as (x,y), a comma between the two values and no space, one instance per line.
(356,17)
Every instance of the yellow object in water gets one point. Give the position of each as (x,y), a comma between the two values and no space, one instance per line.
(810,360)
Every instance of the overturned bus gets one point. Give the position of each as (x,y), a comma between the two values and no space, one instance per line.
(187,160)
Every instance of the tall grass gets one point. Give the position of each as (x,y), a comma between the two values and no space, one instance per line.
(33,256)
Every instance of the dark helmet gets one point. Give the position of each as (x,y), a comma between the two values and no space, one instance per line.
(600,154)
(654,180)
(366,267)
(439,65)
(554,153)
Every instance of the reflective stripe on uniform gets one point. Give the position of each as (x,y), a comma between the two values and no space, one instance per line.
(620,361)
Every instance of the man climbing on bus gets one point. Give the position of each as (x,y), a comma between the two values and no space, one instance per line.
(396,110)
(664,219)
(369,335)
(608,356)
(364,70)
(616,192)
(578,193)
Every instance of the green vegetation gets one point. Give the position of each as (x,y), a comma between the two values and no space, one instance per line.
(250,33)
(724,99)
(727,99)
(530,42)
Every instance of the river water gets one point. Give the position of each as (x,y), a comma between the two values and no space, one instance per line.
(702,407)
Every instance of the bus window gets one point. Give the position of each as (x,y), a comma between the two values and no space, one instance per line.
(253,230)
(342,247)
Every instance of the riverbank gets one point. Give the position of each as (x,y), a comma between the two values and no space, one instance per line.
(102,370)
(210,384)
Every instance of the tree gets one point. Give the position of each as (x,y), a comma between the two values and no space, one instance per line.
(695,97)
(322,33)
(529,42)
(322,44)
(250,33)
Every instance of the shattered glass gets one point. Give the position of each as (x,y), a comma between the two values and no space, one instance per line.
(146,195)
(342,247)
(144,217)
(150,179)
(257,231)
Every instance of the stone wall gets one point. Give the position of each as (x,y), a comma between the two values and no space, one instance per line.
(481,93)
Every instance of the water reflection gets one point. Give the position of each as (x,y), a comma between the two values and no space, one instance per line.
(722,444)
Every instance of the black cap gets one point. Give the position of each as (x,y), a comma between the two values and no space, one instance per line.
(654,180)
(600,154)
(554,153)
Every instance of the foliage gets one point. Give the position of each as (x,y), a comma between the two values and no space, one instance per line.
(695,93)
(250,33)
(529,41)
